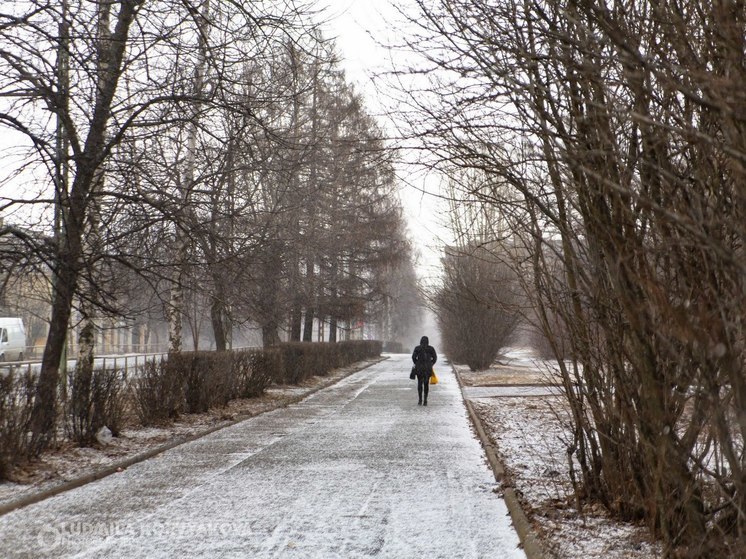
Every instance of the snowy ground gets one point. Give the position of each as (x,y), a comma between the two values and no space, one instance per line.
(518,409)
(356,470)
(524,416)
(67,462)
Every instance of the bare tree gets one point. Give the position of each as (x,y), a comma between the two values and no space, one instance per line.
(477,303)
(619,131)
(123,61)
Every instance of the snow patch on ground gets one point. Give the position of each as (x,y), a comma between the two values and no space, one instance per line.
(520,405)
(355,471)
(66,461)
(527,430)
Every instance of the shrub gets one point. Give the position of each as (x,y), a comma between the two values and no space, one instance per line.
(16,403)
(393,347)
(158,392)
(206,377)
(96,401)
(476,306)
(302,360)
(293,362)
(253,371)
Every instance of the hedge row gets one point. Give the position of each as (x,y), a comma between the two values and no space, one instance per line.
(161,390)
(300,361)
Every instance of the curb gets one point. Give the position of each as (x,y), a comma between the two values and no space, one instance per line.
(131,461)
(529,540)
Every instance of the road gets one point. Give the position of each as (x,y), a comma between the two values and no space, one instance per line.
(355,470)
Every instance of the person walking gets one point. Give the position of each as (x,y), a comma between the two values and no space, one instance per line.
(424,357)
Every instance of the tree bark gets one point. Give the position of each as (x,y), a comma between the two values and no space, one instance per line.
(310,310)
(218,324)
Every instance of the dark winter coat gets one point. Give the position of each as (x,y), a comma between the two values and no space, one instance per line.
(424,356)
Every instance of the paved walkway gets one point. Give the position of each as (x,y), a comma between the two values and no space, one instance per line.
(356,470)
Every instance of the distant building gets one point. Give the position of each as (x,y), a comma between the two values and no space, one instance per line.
(26,292)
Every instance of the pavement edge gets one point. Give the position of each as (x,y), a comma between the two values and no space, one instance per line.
(529,540)
(131,461)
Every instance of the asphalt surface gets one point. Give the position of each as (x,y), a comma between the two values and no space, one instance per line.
(356,470)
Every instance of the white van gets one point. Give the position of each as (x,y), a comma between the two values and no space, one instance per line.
(12,339)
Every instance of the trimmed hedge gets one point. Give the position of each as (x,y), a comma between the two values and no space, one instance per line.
(157,392)
(393,347)
(160,390)
(254,371)
(194,382)
(94,402)
(303,360)
(16,402)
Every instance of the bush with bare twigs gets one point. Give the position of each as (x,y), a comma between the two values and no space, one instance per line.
(613,141)
(96,402)
(475,306)
(16,402)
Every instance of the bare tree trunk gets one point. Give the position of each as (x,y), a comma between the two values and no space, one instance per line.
(333,297)
(69,251)
(217,317)
(297,200)
(44,414)
(176,302)
(310,297)
(309,288)
(295,322)
(80,399)
(269,305)
(308,325)
(81,405)
(333,329)
(83,376)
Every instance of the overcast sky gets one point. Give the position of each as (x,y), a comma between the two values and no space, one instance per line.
(360,29)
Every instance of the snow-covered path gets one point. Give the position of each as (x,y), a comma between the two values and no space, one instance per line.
(356,470)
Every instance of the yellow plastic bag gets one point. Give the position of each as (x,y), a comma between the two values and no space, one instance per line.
(433,378)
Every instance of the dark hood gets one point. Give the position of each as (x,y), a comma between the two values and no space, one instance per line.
(424,341)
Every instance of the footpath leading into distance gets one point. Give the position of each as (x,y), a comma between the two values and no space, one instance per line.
(355,470)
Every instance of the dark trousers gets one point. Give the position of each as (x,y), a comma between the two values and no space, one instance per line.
(423,380)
